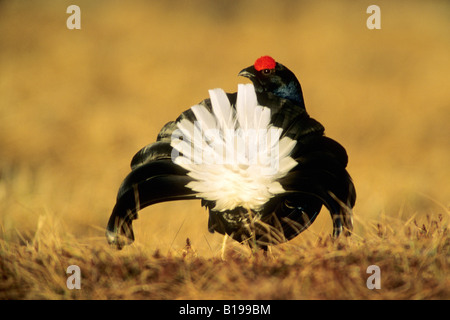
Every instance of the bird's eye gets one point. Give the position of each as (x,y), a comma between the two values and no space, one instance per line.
(267,71)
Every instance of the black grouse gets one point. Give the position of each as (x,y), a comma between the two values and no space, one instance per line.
(259,163)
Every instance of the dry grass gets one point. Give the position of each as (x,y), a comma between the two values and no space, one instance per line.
(413,261)
(76,105)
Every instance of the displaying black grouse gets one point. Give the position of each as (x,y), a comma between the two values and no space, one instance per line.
(256,159)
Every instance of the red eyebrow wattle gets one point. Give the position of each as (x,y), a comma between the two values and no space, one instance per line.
(265,62)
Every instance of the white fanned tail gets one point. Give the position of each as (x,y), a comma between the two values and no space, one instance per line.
(234,154)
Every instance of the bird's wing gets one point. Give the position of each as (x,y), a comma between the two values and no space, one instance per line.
(321,170)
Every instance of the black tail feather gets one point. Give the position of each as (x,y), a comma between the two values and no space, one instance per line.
(335,190)
(151,183)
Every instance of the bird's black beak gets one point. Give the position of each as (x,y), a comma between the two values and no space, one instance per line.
(249,72)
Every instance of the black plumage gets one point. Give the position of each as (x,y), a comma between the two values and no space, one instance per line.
(319,178)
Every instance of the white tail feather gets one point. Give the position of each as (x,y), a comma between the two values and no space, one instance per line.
(221,108)
(245,106)
(234,154)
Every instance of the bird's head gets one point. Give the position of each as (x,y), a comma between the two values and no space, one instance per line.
(268,75)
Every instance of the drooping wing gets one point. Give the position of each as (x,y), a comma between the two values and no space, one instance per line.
(320,176)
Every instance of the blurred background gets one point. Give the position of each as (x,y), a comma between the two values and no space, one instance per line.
(75,105)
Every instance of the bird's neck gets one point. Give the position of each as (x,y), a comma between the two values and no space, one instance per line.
(292,91)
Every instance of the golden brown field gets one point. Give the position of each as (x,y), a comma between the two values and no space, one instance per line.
(75,105)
